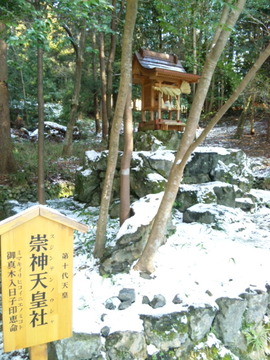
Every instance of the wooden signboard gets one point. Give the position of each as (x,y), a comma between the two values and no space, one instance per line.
(37,272)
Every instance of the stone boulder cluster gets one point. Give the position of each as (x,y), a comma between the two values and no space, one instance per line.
(217,184)
(150,170)
(218,332)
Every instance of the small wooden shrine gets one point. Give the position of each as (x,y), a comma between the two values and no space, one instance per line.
(163,80)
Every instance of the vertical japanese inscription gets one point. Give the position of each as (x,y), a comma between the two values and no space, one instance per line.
(38,263)
(65,275)
(15,305)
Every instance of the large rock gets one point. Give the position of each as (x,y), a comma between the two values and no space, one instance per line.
(126,345)
(257,303)
(132,236)
(213,214)
(217,164)
(261,171)
(167,331)
(156,140)
(150,171)
(214,192)
(228,321)
(200,321)
(79,346)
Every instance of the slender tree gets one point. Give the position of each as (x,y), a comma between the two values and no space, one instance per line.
(103,87)
(229,17)
(41,148)
(7,162)
(116,15)
(125,161)
(126,68)
(79,49)
(95,92)
(242,118)
(40,98)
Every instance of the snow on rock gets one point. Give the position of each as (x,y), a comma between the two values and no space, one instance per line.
(198,263)
(144,211)
(92,155)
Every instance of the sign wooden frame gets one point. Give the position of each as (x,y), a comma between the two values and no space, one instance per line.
(37,273)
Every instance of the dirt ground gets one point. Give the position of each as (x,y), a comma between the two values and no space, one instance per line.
(253,145)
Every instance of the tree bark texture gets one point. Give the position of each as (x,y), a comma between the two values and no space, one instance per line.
(126,68)
(110,64)
(79,50)
(125,162)
(41,182)
(7,162)
(157,235)
(242,119)
(103,87)
(95,92)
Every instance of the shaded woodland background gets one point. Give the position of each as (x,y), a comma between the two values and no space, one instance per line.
(87,35)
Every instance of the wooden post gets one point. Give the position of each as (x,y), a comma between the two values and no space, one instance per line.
(178,104)
(159,105)
(38,352)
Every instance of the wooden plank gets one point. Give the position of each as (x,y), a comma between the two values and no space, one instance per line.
(18,219)
(34,211)
(39,352)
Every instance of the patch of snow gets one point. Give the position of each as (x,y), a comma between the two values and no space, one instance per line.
(218,150)
(163,154)
(144,211)
(92,155)
(34,133)
(155,177)
(55,125)
(262,195)
(86,172)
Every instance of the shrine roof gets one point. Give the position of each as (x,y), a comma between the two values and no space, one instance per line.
(150,60)
(154,64)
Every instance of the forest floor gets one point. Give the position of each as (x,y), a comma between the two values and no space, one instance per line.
(223,135)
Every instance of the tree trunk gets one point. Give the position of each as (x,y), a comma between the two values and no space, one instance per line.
(103,85)
(268,129)
(126,68)
(25,111)
(194,44)
(252,117)
(125,163)
(212,95)
(41,183)
(68,141)
(110,65)
(40,99)
(96,108)
(242,119)
(7,162)
(157,235)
